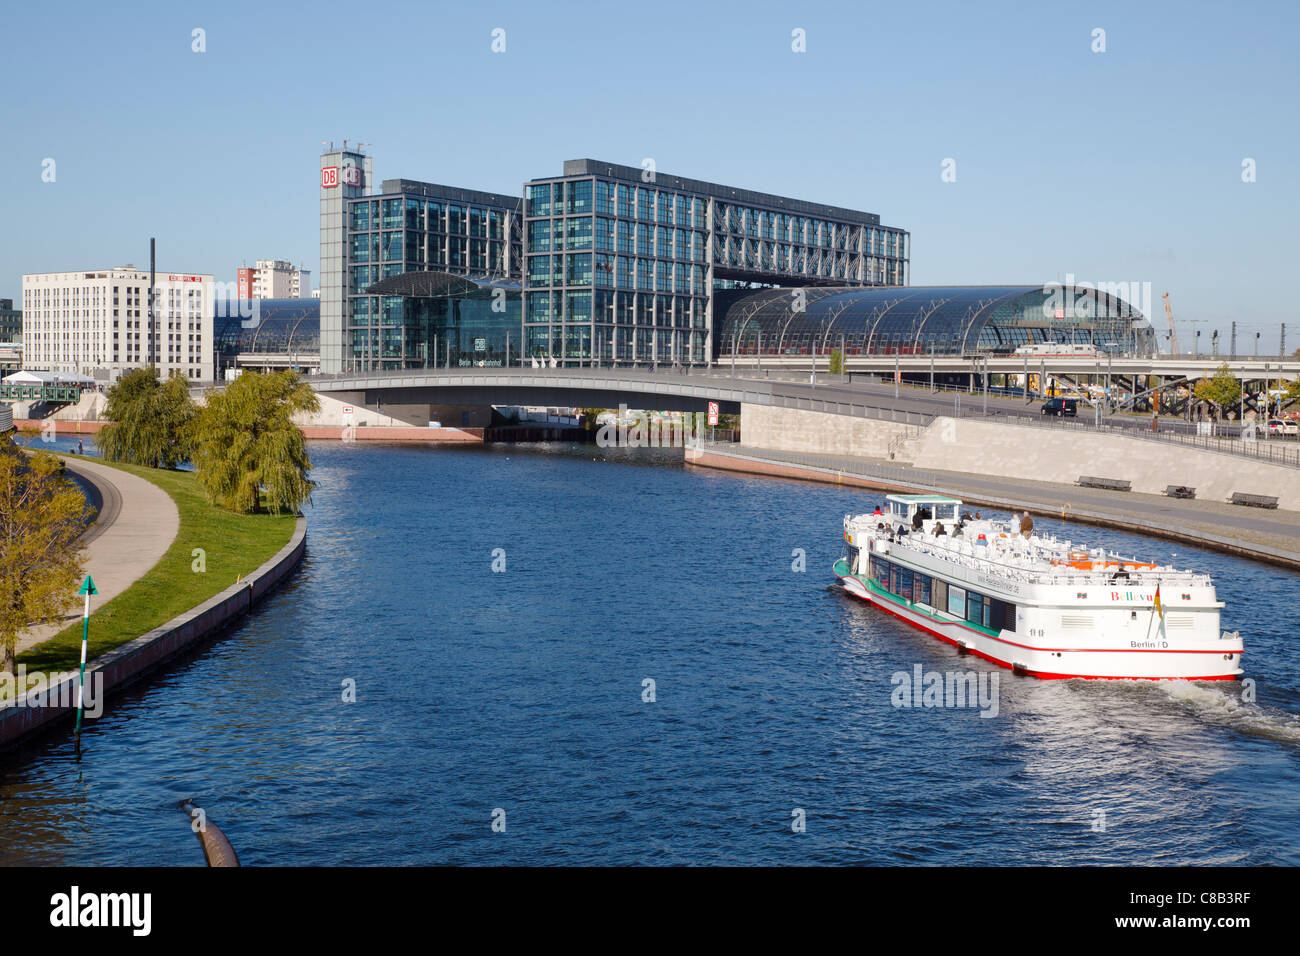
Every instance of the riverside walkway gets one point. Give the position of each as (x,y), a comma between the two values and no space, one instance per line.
(136,524)
(1272,536)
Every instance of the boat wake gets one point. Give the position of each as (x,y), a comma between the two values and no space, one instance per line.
(1225,708)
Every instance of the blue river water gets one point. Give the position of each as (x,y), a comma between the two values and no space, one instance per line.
(518,696)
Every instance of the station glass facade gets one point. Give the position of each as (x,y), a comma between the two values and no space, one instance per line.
(918,320)
(622,268)
(412,227)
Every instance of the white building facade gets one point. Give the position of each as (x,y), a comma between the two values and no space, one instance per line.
(274,279)
(97,323)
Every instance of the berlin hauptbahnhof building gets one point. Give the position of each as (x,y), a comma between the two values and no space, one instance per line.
(618,265)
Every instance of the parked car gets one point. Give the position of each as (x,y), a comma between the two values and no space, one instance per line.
(1061,407)
(1283,426)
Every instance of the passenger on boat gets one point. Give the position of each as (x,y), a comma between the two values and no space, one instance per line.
(939,530)
(1015,523)
(877,513)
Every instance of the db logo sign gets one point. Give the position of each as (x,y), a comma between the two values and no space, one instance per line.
(329,177)
(351,176)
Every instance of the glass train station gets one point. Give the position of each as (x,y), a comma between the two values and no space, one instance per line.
(618,265)
(920,320)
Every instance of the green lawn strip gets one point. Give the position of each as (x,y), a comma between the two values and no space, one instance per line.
(235,545)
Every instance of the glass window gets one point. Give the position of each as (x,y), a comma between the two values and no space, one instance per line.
(539,200)
(905,583)
(956,601)
(974,607)
(940,594)
(922,588)
(539,235)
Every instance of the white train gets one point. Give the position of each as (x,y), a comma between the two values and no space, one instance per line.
(1061,350)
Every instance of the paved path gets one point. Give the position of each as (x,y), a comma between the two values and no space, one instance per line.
(137,523)
(1267,534)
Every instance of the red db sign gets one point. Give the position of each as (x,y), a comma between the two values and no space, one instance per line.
(713,413)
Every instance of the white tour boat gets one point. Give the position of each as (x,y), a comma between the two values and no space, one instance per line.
(1033,603)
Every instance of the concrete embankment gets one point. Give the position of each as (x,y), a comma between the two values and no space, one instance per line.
(1268,536)
(39,709)
(1028,452)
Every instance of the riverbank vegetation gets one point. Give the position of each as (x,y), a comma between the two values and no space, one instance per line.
(246,450)
(213,549)
(41,516)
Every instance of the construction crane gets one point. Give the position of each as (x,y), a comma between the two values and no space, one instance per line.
(1173,332)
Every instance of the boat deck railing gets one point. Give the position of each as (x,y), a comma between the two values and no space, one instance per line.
(1059,573)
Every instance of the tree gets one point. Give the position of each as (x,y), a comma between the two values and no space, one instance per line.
(245,443)
(1222,390)
(148,420)
(1291,391)
(837,362)
(41,518)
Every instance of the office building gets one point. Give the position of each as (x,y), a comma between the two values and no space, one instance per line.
(98,323)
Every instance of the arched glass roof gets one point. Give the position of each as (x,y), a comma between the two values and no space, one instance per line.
(276,326)
(921,319)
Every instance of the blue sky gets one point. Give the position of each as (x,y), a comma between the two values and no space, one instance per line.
(1122,166)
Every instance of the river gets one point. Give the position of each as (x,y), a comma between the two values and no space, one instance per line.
(519,696)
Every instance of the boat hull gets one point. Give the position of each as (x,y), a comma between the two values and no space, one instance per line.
(1054,660)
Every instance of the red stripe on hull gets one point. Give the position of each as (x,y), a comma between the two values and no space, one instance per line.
(1044,675)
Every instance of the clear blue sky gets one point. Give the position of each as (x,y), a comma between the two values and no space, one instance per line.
(1115,166)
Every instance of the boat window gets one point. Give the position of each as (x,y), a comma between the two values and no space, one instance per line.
(893,578)
(922,585)
(940,594)
(956,601)
(1008,616)
(974,608)
(904,583)
(988,612)
(945,512)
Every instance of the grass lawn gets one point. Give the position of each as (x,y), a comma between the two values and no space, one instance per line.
(235,544)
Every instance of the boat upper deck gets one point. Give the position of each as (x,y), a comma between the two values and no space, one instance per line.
(999,548)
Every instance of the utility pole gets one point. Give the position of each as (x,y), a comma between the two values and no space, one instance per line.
(151,299)
(986,384)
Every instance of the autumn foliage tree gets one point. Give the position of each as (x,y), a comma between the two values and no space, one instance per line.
(41,517)
(148,420)
(1222,390)
(246,446)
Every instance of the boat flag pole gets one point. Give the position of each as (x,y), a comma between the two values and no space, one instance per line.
(87,589)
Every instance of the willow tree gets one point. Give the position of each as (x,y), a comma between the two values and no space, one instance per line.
(41,517)
(246,445)
(148,420)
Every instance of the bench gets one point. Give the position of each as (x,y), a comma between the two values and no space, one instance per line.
(1110,484)
(1253,501)
(1180,491)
